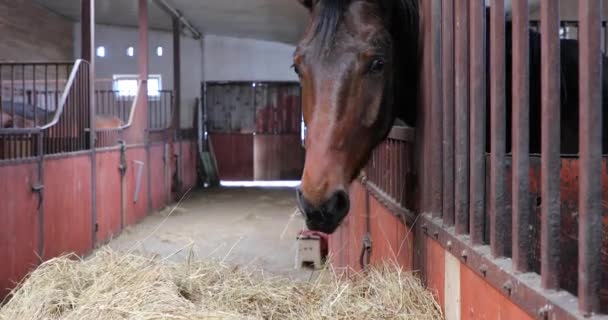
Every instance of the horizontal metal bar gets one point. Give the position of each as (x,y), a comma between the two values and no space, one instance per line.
(36,63)
(405,214)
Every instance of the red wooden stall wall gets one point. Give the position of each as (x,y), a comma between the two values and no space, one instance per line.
(67,206)
(18,223)
(109,189)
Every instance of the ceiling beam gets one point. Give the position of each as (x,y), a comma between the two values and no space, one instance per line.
(174,13)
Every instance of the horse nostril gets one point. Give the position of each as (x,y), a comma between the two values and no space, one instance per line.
(339,203)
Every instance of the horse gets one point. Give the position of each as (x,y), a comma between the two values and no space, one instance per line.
(357,61)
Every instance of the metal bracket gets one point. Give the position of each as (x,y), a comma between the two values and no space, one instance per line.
(39,189)
(366,250)
(138,179)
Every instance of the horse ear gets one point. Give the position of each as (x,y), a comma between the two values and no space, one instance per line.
(309,4)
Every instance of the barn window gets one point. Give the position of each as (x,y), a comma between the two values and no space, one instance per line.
(101,51)
(126,85)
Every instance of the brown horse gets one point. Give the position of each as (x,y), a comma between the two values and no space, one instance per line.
(356,60)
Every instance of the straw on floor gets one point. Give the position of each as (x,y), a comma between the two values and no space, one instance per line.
(110,285)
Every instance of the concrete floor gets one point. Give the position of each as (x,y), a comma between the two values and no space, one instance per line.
(244,226)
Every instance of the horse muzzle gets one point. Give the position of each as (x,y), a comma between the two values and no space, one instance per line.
(327,217)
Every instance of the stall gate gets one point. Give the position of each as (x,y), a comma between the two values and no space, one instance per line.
(497,229)
(64,189)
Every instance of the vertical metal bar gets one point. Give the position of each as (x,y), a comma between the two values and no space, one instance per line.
(177,91)
(46,93)
(56,128)
(24,97)
(1,94)
(498,214)
(35,104)
(13,93)
(461,69)
(550,157)
(521,135)
(478,120)
(448,111)
(605,33)
(590,190)
(436,147)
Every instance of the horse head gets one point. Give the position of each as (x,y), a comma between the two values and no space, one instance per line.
(358,67)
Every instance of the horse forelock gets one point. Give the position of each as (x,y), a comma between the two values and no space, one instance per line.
(398,15)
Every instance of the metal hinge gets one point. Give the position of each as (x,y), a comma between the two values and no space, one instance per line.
(96,227)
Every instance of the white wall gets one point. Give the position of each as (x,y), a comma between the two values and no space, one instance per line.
(236,59)
(116,40)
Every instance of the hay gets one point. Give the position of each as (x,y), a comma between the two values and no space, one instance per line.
(110,285)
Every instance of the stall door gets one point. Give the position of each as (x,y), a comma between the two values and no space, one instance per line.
(255,130)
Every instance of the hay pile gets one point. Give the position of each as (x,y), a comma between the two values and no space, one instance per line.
(118,286)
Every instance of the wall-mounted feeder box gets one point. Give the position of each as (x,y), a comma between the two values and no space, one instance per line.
(312,249)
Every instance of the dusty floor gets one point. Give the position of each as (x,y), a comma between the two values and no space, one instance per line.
(241,226)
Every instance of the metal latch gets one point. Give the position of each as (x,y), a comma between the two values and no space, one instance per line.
(366,250)
(123,157)
(39,189)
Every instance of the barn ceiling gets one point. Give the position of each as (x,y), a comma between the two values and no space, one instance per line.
(273,20)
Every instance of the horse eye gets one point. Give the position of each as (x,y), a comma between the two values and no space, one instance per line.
(376,66)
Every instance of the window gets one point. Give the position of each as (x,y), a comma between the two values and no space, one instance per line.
(126,85)
(159,51)
(130,51)
(101,51)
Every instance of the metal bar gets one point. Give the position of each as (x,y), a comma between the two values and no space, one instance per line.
(521,135)
(550,151)
(498,214)
(605,33)
(46,93)
(1,104)
(34,86)
(139,133)
(590,188)
(13,93)
(478,120)
(461,69)
(24,101)
(436,147)
(56,130)
(177,91)
(448,111)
